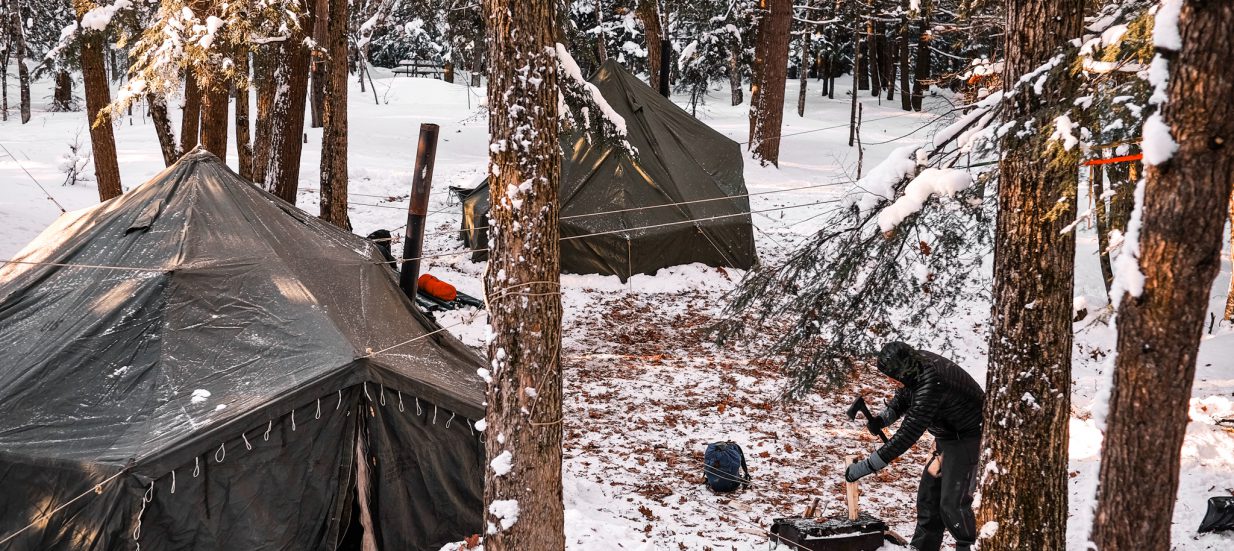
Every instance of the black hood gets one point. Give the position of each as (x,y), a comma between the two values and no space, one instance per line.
(899,361)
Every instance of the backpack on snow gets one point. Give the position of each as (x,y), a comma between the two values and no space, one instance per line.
(724,466)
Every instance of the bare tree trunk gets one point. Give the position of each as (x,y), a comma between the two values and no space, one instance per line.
(62,97)
(317,63)
(190,128)
(18,41)
(264,60)
(601,48)
(282,173)
(767,101)
(1103,225)
(887,54)
(334,117)
(922,71)
(162,128)
(1159,329)
(852,115)
(244,140)
(4,80)
(803,71)
(214,108)
(98,96)
(905,101)
(734,73)
(873,58)
(1025,495)
(522,281)
(648,14)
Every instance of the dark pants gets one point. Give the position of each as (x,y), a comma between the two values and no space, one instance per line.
(947,501)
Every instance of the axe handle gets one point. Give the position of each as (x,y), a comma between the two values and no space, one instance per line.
(852,490)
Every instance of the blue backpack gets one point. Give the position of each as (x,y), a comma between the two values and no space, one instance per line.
(724,466)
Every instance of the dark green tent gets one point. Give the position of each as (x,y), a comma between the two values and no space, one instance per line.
(682,200)
(198,365)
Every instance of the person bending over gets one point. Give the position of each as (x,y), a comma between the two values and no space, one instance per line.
(938,395)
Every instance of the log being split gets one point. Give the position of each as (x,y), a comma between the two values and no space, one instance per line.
(852,490)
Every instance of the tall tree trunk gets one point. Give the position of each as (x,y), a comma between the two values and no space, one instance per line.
(191,120)
(334,117)
(1122,178)
(874,57)
(1159,329)
(831,75)
(1229,299)
(62,97)
(264,60)
(734,72)
(4,81)
(1103,225)
(803,71)
(648,14)
(522,280)
(214,108)
(905,100)
(98,96)
(162,128)
(922,71)
(666,64)
(601,47)
(888,55)
(317,62)
(18,41)
(244,139)
(282,173)
(1024,495)
(767,100)
(852,114)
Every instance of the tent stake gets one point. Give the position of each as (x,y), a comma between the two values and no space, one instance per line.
(417,211)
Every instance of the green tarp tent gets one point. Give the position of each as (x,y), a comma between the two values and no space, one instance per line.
(683,199)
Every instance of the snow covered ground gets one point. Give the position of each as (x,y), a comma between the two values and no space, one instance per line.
(645,391)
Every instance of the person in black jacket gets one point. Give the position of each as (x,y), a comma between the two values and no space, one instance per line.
(940,396)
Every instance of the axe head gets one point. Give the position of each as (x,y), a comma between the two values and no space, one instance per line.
(859,406)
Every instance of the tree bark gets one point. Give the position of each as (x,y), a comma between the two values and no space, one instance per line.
(291,68)
(214,109)
(922,70)
(1024,488)
(318,62)
(4,82)
(734,73)
(601,47)
(803,71)
(18,41)
(264,59)
(522,280)
(874,57)
(767,96)
(98,96)
(648,14)
(244,140)
(888,55)
(906,102)
(334,117)
(666,65)
(852,115)
(1159,331)
(162,128)
(62,97)
(191,120)
(1103,225)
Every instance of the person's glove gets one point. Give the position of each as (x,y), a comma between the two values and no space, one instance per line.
(877,423)
(869,465)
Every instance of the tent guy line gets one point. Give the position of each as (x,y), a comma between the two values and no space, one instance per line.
(36,182)
(93,489)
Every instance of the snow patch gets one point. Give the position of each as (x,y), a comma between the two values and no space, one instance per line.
(502,464)
(199,396)
(931,181)
(506,511)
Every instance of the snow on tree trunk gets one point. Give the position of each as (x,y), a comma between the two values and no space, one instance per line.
(1103,224)
(648,14)
(734,72)
(767,93)
(244,139)
(162,128)
(264,60)
(291,69)
(803,69)
(1159,329)
(1028,385)
(18,40)
(98,96)
(190,120)
(523,492)
(334,116)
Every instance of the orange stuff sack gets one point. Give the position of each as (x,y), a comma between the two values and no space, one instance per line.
(437,288)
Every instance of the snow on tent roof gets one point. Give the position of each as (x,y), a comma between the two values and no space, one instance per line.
(224,310)
(679,160)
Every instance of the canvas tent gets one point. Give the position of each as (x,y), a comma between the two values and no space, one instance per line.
(682,200)
(199,365)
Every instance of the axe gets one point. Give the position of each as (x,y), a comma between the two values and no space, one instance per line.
(859,406)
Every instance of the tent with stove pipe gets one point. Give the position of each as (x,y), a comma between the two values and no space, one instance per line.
(199,365)
(681,199)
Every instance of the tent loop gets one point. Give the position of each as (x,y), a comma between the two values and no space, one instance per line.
(173,481)
(247,446)
(366,394)
(220,453)
(318,414)
(418,412)
(340,400)
(382,394)
(269,425)
(450,419)
(293,420)
(471,428)
(149,496)
(434,414)
(400,400)
(196,466)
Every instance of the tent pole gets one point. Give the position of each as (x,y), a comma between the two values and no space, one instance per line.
(417,211)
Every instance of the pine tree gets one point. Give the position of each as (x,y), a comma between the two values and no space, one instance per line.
(334,116)
(767,91)
(1184,195)
(524,397)
(98,97)
(1024,489)
(291,69)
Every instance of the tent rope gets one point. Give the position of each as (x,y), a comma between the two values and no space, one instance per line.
(93,490)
